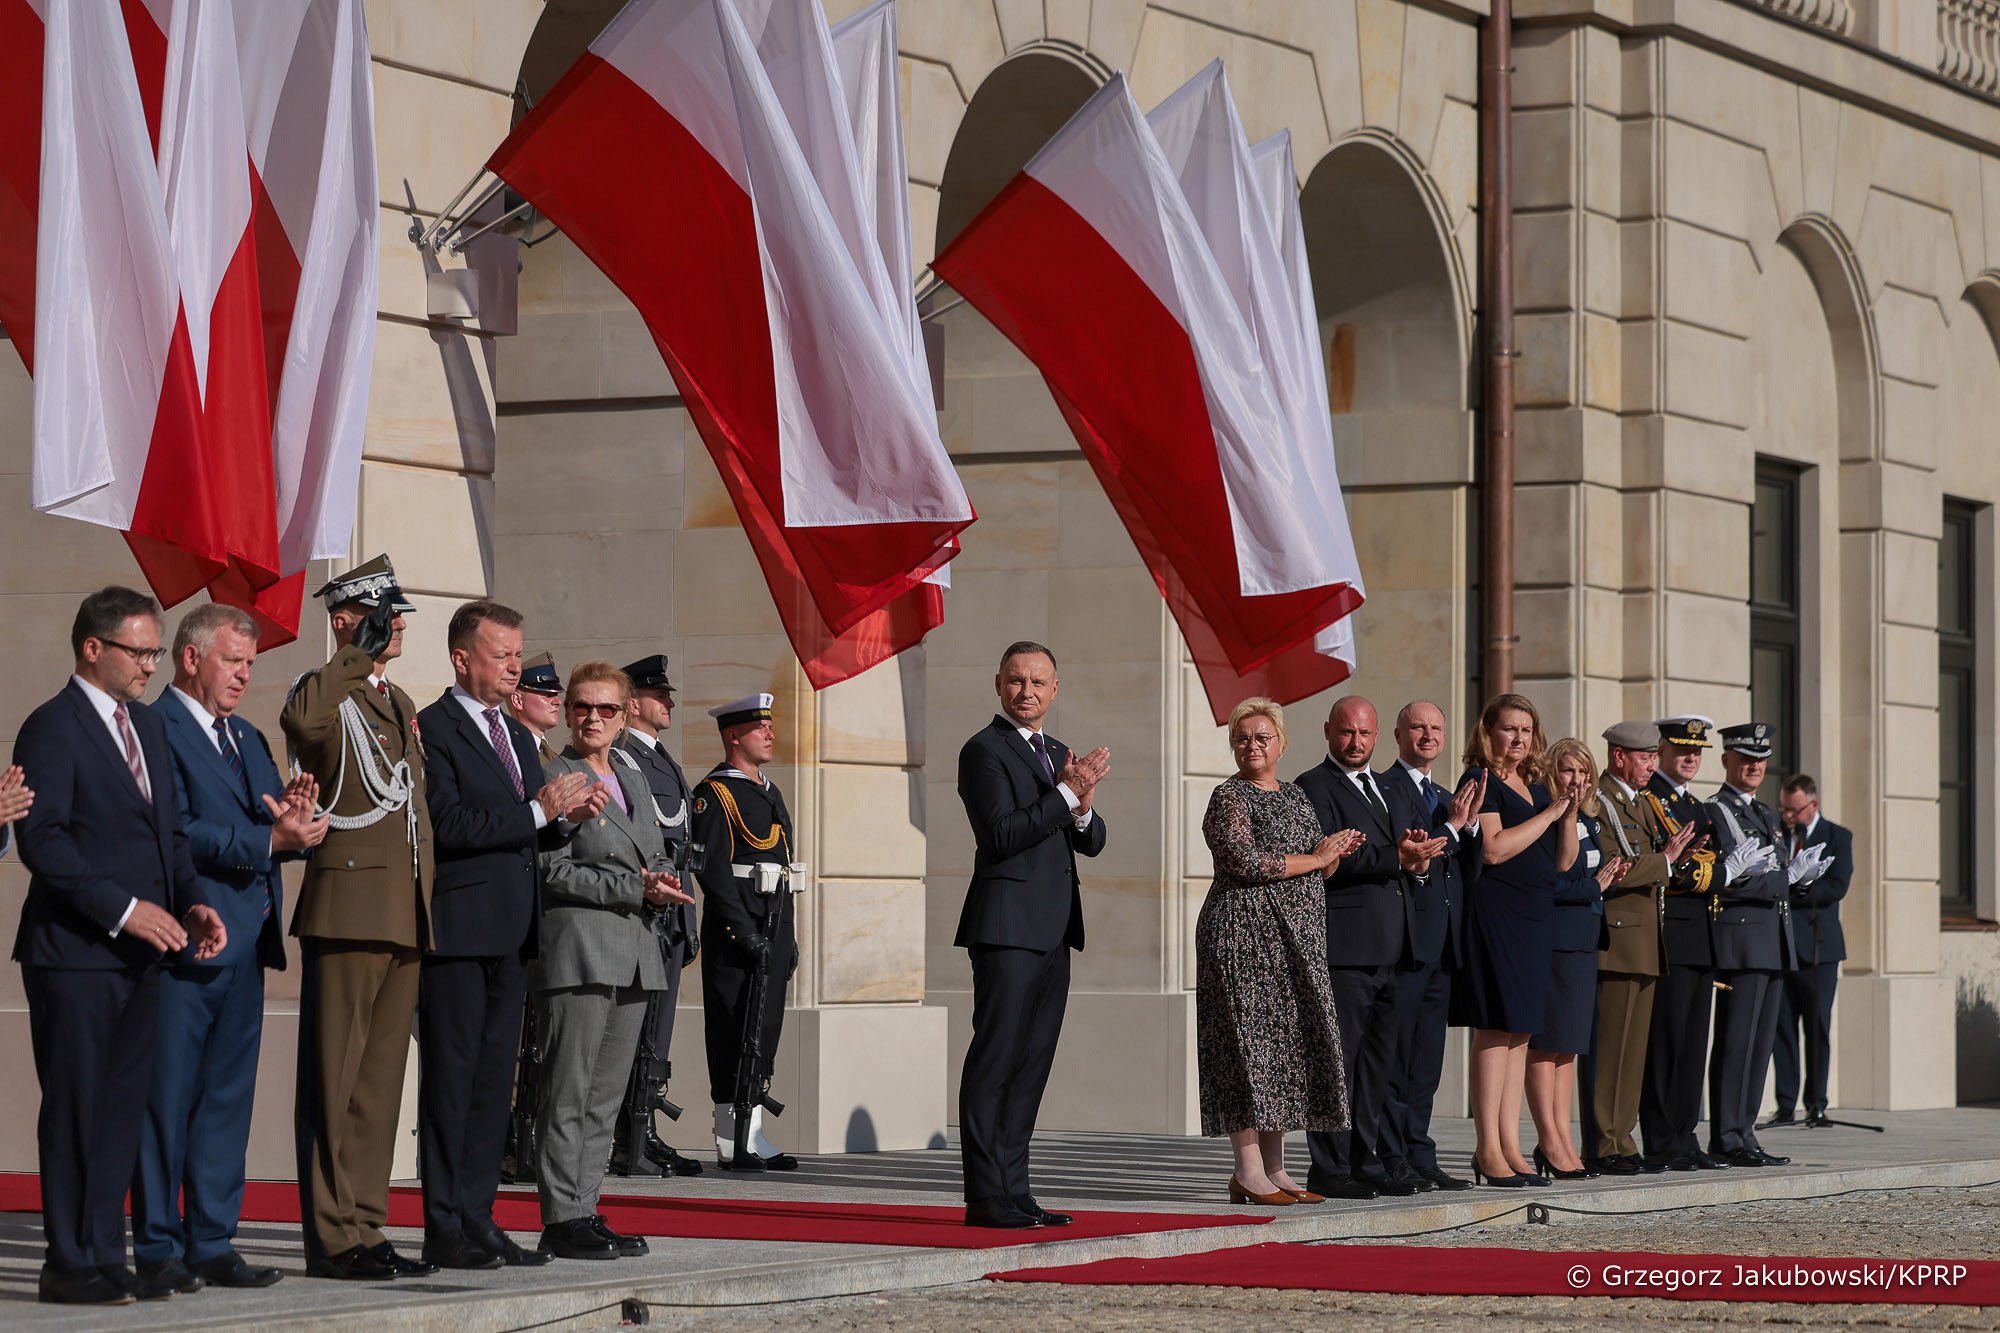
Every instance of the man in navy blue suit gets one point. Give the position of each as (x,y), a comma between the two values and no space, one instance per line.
(1817,886)
(241,822)
(112,889)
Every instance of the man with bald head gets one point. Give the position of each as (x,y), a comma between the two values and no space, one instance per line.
(1378,924)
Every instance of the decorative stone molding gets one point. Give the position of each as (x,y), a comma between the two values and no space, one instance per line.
(1832,15)
(1969,43)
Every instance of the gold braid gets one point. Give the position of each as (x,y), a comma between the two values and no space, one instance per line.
(727,800)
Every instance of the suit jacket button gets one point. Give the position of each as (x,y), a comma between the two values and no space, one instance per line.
(350,863)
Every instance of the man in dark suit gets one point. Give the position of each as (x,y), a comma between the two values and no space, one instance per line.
(1423,1003)
(1029,800)
(637,1149)
(491,813)
(1753,946)
(1380,926)
(1807,995)
(241,822)
(112,888)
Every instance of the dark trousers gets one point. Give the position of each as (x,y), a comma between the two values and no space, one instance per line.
(726,974)
(1423,998)
(1364,1000)
(1805,998)
(188,1194)
(1018,999)
(1676,1059)
(468,1034)
(92,1034)
(1746,1027)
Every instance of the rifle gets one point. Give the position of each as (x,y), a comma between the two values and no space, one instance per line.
(753,1087)
(637,1149)
(519,1161)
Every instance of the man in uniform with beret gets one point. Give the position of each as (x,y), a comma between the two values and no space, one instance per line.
(363,922)
(740,822)
(536,702)
(636,1148)
(1670,1104)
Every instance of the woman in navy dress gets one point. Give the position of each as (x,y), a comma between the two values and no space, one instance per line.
(1528,841)
(1578,935)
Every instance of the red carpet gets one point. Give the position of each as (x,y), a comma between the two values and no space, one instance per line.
(1414,1270)
(718,1219)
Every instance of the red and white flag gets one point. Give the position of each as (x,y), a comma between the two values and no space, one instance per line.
(746,249)
(1093,262)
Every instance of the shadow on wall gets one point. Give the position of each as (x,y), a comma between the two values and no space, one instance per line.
(1978,1043)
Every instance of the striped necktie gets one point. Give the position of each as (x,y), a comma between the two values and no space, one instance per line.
(227,744)
(506,749)
(133,760)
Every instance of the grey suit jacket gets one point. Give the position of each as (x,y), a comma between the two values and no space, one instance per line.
(594,931)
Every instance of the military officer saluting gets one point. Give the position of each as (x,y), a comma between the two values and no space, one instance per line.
(1753,946)
(748,879)
(363,921)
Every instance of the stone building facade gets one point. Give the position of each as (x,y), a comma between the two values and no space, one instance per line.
(1758,268)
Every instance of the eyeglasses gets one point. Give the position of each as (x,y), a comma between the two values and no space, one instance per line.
(1253,742)
(605,711)
(145,657)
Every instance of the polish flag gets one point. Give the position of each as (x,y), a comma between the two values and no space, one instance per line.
(746,249)
(1094,262)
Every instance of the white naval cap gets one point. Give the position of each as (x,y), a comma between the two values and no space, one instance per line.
(750,708)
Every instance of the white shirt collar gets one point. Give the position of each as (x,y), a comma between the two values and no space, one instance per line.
(99,700)
(1741,795)
(1623,786)
(1028,734)
(1417,775)
(650,742)
(196,709)
(1807,832)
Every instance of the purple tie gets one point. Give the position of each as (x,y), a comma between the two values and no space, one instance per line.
(1042,753)
(132,759)
(506,749)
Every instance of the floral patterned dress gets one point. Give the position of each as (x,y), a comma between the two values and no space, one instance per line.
(1266,1041)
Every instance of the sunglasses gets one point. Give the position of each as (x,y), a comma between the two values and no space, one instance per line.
(605,711)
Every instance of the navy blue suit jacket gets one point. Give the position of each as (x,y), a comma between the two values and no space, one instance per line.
(229,832)
(1441,914)
(1579,915)
(1024,892)
(1816,908)
(92,843)
(486,900)
(1377,914)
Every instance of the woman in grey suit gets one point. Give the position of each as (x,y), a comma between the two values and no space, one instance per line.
(598,959)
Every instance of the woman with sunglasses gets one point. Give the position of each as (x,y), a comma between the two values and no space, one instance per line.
(598,961)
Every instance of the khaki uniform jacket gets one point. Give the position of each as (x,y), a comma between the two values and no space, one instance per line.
(1635,907)
(361,884)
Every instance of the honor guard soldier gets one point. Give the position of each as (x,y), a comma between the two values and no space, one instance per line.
(363,922)
(748,878)
(637,1149)
(1753,946)
(537,701)
(536,704)
(1670,1103)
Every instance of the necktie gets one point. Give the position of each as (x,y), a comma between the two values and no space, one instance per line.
(133,760)
(506,749)
(1367,784)
(1042,753)
(1438,802)
(382,688)
(227,743)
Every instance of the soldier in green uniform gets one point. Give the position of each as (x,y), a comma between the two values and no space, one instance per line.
(748,880)
(363,922)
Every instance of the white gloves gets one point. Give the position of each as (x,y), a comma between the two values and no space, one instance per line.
(1748,858)
(1806,867)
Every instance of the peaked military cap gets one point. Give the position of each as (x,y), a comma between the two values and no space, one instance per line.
(1752,740)
(750,708)
(650,673)
(365,585)
(539,675)
(1687,729)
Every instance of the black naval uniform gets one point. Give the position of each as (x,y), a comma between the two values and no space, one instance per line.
(733,914)
(1753,950)
(1677,1046)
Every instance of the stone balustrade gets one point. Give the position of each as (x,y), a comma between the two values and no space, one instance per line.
(1832,15)
(1969,43)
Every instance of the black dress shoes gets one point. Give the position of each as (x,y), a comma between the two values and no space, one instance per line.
(628,1247)
(1385,1184)
(401,1264)
(1705,1162)
(1651,1168)
(1026,1203)
(356,1264)
(1680,1161)
(177,1276)
(669,1161)
(576,1239)
(1002,1213)
(1781,1118)
(1442,1179)
(502,1246)
(155,1288)
(460,1252)
(1818,1120)
(85,1286)
(1343,1187)
(1402,1173)
(1740,1157)
(231,1270)
(1771,1159)
(1614,1166)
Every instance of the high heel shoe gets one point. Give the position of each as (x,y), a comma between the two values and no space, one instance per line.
(1499,1182)
(1237,1194)
(1545,1168)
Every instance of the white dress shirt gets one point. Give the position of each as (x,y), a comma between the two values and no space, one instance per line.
(1028,734)
(477,712)
(106,706)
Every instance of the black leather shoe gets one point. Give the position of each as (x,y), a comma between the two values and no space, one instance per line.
(669,1161)
(460,1252)
(1401,1189)
(230,1270)
(1818,1120)
(1402,1173)
(1026,1203)
(749,1162)
(576,1239)
(1770,1158)
(401,1264)
(1001,1213)
(1705,1162)
(1442,1179)
(1681,1161)
(1613,1166)
(85,1286)
(1740,1157)
(155,1288)
(502,1246)
(628,1247)
(1646,1167)
(177,1275)
(1781,1118)
(356,1264)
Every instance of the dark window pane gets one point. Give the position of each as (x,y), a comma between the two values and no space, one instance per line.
(1954,874)
(1768,553)
(1955,576)
(1954,726)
